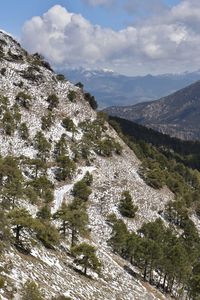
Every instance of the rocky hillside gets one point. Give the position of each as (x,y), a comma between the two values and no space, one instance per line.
(176,114)
(50,138)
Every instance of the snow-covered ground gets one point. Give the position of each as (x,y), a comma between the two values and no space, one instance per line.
(59,193)
(53,270)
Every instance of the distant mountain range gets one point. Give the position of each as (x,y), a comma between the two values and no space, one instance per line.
(113,89)
(177,114)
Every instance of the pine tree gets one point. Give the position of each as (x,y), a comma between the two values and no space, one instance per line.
(20,219)
(44,213)
(74,218)
(38,165)
(85,256)
(88,179)
(47,233)
(42,145)
(12,186)
(47,121)
(43,187)
(61,148)
(81,190)
(66,168)
(8,123)
(63,215)
(132,242)
(91,100)
(23,131)
(4,230)
(118,240)
(69,125)
(126,207)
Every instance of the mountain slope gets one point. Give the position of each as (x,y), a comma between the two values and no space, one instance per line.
(31,94)
(176,114)
(112,89)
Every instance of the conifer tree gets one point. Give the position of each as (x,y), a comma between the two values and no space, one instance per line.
(8,123)
(23,131)
(66,167)
(42,145)
(118,240)
(4,230)
(88,179)
(81,190)
(85,256)
(77,220)
(61,147)
(126,207)
(63,215)
(47,121)
(44,213)
(20,220)
(12,186)
(38,165)
(73,218)
(47,233)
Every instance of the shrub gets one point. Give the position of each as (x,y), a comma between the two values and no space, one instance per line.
(80,85)
(53,101)
(8,123)
(60,77)
(88,178)
(23,131)
(68,124)
(16,113)
(31,291)
(47,121)
(24,99)
(2,282)
(91,100)
(61,297)
(105,147)
(72,96)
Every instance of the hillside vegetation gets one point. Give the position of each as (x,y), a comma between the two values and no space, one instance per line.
(81,216)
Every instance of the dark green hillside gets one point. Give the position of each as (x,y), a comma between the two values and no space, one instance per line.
(187,152)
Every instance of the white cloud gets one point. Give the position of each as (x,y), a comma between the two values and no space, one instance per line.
(169,42)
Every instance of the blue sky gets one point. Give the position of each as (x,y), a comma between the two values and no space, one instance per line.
(133,37)
(14,13)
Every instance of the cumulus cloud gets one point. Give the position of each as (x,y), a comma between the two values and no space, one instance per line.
(169,42)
